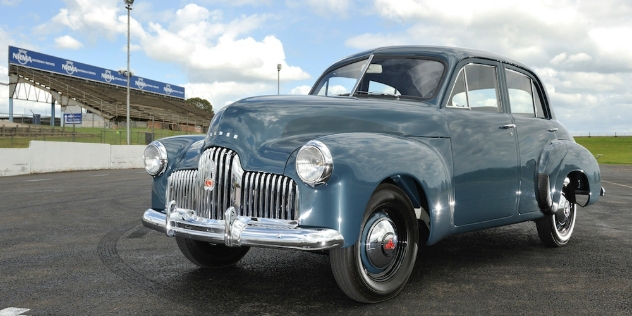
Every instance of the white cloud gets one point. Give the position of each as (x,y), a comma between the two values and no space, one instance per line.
(221,94)
(301,90)
(579,49)
(564,58)
(238,3)
(612,38)
(213,52)
(325,8)
(534,32)
(10,3)
(96,18)
(67,42)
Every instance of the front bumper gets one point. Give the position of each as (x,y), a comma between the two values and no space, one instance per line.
(236,231)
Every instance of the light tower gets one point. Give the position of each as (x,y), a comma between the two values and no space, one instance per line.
(128,74)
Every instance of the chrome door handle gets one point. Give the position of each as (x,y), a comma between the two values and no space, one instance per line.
(508,126)
(553,130)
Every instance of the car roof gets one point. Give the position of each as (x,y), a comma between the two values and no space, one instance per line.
(442,52)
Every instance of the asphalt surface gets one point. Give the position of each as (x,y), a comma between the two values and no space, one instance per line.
(73,244)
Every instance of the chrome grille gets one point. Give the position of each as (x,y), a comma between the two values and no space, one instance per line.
(253,194)
(269,196)
(182,187)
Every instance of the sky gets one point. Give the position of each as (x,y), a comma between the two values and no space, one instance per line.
(225,50)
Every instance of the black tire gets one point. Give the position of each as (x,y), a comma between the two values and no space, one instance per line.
(206,255)
(377,271)
(555,230)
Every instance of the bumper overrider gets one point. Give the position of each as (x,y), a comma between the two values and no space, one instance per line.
(237,231)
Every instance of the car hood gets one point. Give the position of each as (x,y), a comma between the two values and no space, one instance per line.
(266,130)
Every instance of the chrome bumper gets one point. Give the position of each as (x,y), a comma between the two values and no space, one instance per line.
(238,231)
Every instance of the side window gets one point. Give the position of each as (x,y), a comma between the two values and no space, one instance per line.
(337,86)
(476,88)
(539,108)
(520,91)
(524,98)
(458,97)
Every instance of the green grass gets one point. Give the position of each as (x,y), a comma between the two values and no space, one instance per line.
(90,135)
(609,150)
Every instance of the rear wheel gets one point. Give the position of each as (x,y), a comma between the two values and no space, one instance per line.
(556,230)
(207,255)
(378,266)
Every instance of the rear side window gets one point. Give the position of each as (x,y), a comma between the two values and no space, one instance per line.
(524,99)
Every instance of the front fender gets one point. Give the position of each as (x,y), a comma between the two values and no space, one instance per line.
(183,152)
(361,162)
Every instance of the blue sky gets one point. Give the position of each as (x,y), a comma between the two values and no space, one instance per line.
(224,50)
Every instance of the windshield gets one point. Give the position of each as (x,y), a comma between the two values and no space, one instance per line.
(415,78)
(340,81)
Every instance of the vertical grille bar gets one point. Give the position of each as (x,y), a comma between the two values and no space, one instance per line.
(213,210)
(277,196)
(266,200)
(283,207)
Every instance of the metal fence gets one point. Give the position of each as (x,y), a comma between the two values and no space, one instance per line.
(19,137)
(604,134)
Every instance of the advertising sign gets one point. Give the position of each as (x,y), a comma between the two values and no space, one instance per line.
(72,118)
(35,60)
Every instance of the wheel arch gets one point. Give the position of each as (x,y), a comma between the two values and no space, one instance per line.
(362,161)
(417,195)
(560,160)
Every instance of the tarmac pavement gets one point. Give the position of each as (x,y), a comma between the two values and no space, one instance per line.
(73,244)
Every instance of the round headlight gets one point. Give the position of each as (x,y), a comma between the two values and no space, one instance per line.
(155,158)
(314,163)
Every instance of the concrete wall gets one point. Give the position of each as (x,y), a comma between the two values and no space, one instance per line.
(14,161)
(126,157)
(43,157)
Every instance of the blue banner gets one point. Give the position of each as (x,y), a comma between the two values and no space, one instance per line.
(31,59)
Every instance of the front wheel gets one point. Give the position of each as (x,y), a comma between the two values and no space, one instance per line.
(207,255)
(378,266)
(556,230)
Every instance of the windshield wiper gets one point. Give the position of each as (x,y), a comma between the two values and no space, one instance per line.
(388,95)
(379,94)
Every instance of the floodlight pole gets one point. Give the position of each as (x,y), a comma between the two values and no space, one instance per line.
(278,79)
(128,74)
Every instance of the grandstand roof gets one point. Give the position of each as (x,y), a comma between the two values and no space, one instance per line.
(110,101)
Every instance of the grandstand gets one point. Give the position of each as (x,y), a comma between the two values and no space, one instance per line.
(104,98)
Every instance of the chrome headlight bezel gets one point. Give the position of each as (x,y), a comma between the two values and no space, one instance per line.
(314,163)
(155,158)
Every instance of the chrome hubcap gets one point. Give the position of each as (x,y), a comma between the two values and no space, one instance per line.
(381,245)
(567,209)
(564,217)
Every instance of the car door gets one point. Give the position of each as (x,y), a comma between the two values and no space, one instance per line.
(483,146)
(534,129)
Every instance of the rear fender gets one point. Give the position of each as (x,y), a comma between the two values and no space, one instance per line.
(560,160)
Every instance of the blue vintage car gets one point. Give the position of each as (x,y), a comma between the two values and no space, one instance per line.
(393,147)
